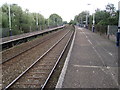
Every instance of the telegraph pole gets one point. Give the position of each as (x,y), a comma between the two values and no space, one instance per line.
(10,31)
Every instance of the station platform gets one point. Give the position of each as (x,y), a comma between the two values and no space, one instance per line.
(92,62)
(26,35)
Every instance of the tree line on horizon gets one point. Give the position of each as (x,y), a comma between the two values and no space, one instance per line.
(25,21)
(109,16)
(103,18)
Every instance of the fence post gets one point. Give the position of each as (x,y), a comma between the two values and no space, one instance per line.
(108,31)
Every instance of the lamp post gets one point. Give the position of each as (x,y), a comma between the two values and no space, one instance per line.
(10,30)
(93,25)
(36,22)
(48,22)
(86,20)
(87,17)
(40,21)
(56,21)
(93,22)
(81,22)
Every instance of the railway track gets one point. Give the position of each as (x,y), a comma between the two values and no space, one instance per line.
(43,40)
(8,42)
(17,65)
(38,74)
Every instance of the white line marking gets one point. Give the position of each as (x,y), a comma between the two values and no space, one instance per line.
(98,44)
(98,55)
(90,42)
(87,66)
(103,60)
(84,33)
(79,28)
(63,72)
(110,53)
(107,51)
(95,50)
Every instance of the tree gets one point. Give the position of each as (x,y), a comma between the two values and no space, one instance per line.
(41,21)
(110,8)
(64,22)
(101,15)
(55,20)
(72,22)
(5,16)
(16,14)
(81,18)
(25,21)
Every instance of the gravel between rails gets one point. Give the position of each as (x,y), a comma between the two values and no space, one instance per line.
(9,53)
(37,75)
(17,65)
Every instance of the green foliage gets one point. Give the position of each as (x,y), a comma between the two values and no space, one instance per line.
(72,22)
(25,21)
(101,28)
(110,8)
(55,20)
(4,20)
(102,17)
(64,22)
(109,16)
(81,17)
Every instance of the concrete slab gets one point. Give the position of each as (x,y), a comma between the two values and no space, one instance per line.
(92,63)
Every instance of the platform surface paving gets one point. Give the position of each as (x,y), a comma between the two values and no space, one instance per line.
(93,62)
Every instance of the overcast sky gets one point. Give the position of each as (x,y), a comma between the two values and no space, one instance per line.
(67,9)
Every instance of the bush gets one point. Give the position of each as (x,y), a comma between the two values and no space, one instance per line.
(102,29)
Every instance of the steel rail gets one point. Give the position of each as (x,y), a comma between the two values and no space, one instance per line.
(49,76)
(26,50)
(9,85)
